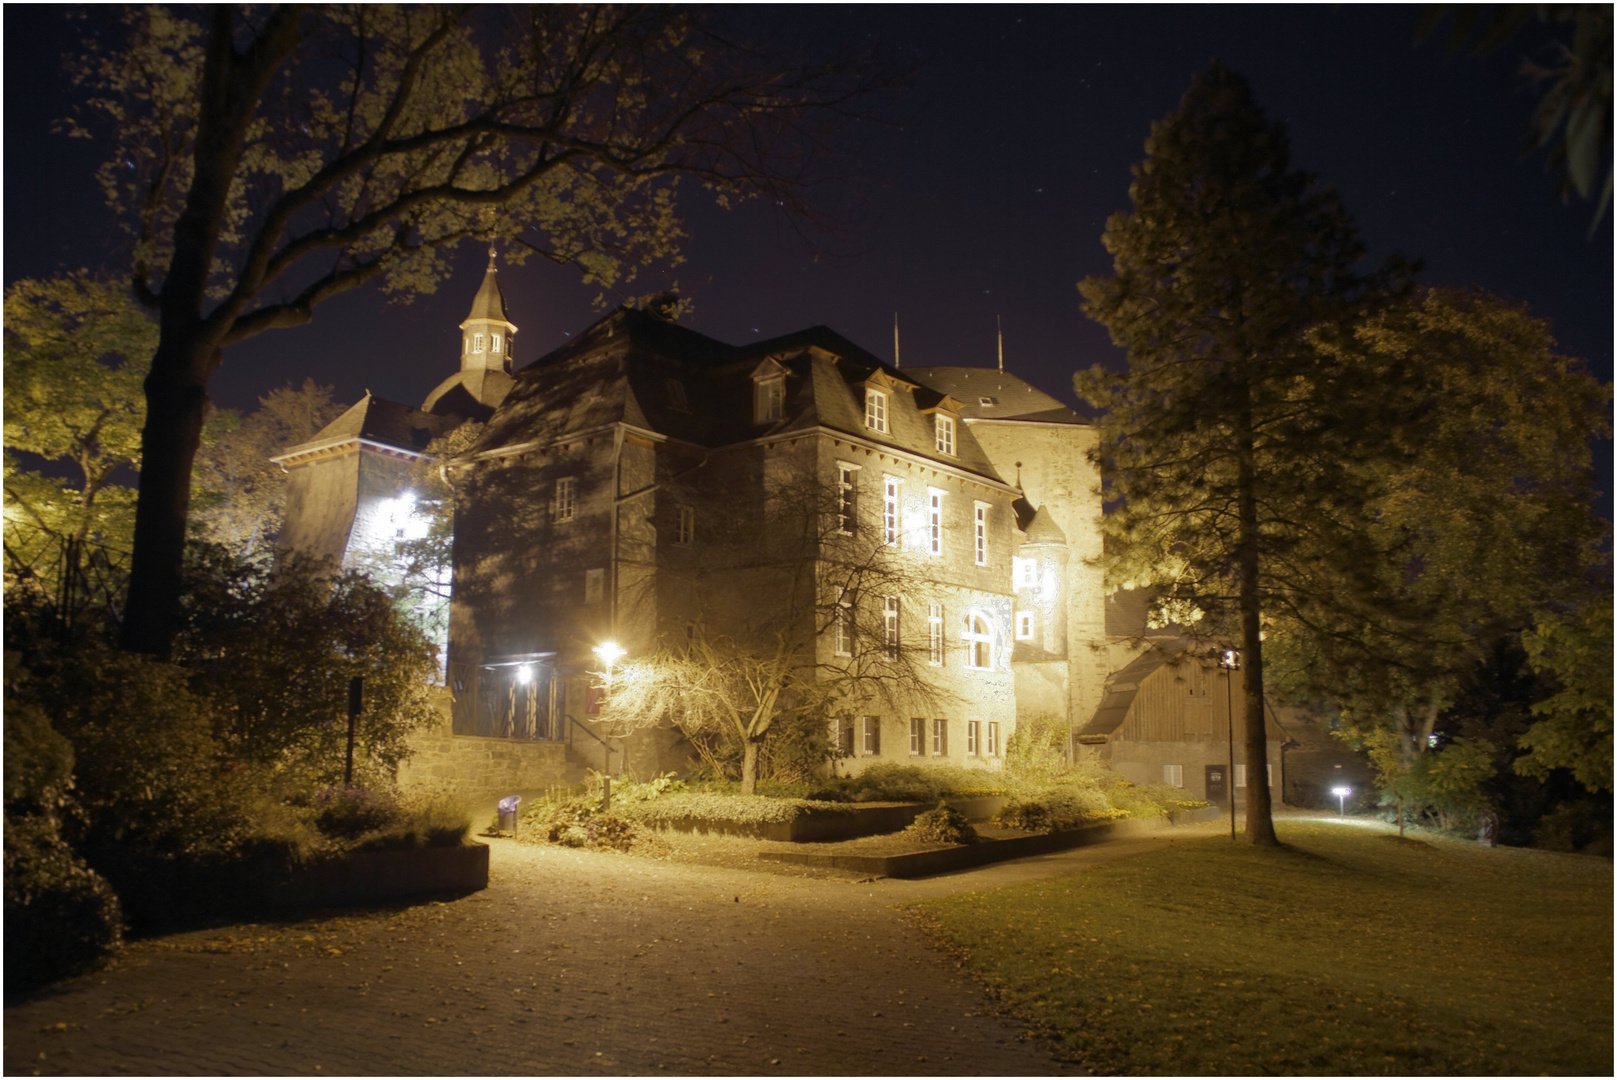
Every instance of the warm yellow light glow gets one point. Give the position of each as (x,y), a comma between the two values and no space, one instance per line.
(525,674)
(609,652)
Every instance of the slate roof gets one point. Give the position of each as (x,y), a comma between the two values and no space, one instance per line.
(1009,397)
(1044,530)
(636,368)
(1123,686)
(489,303)
(377,420)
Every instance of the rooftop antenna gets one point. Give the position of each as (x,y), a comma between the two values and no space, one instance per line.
(1000,330)
(895,340)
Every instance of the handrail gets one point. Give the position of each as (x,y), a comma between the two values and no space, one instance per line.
(580,725)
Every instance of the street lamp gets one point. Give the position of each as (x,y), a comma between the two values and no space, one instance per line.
(1230,661)
(609,653)
(1341,794)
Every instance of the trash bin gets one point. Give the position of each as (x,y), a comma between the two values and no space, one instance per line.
(508,813)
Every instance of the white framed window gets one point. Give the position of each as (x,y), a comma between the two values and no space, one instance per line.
(917,735)
(934,521)
(986,401)
(972,744)
(768,400)
(980,532)
(686,532)
(594,586)
(875,410)
(892,490)
(477,343)
(1024,572)
(847,498)
(872,735)
(567,498)
(979,636)
(943,429)
(940,738)
(1024,626)
(934,634)
(494,343)
(1173,775)
(844,626)
(1240,774)
(993,738)
(889,627)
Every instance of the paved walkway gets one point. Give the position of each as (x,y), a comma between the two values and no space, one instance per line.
(569,963)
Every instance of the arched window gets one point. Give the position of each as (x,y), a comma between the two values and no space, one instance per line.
(979,642)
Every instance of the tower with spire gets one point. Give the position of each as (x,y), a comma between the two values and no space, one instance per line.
(487,344)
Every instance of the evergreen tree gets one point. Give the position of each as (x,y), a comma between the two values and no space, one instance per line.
(1230,440)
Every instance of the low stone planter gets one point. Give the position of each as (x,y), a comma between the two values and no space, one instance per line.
(942,860)
(844,822)
(366,877)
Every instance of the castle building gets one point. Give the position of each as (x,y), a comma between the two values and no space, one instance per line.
(645,484)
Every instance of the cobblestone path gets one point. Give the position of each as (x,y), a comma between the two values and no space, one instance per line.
(569,963)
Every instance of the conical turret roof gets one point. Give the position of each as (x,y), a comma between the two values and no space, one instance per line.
(1044,530)
(489,302)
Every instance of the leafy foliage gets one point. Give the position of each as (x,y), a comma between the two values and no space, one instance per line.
(1574,731)
(943,824)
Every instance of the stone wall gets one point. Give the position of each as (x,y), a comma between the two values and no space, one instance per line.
(477,771)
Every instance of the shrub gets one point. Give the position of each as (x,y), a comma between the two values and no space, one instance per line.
(884,782)
(578,822)
(942,825)
(348,813)
(61,917)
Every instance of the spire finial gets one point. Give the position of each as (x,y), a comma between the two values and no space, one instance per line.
(1000,332)
(895,340)
(491,253)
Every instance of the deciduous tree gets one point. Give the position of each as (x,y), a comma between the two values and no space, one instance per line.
(264,160)
(1228,441)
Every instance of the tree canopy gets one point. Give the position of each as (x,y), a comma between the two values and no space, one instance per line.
(262,161)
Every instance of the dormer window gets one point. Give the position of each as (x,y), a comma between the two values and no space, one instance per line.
(875,410)
(985,401)
(944,429)
(768,399)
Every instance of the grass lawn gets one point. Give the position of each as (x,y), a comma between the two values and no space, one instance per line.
(1349,951)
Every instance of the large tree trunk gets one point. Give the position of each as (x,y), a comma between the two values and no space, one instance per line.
(175,407)
(749,767)
(1260,827)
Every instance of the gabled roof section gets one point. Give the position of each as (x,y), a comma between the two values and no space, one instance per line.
(376,420)
(1123,686)
(990,394)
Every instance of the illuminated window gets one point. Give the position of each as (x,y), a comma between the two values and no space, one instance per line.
(1024,626)
(934,634)
(844,626)
(768,400)
(979,643)
(1173,775)
(477,343)
(917,735)
(872,734)
(848,499)
(891,487)
(566,498)
(934,521)
(494,343)
(940,738)
(594,586)
(687,526)
(993,738)
(986,401)
(944,431)
(876,410)
(889,627)
(980,534)
(972,727)
(1024,572)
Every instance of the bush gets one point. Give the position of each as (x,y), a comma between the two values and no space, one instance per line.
(348,813)
(884,782)
(578,822)
(942,825)
(61,917)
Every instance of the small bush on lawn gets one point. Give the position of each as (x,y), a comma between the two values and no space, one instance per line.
(885,782)
(942,825)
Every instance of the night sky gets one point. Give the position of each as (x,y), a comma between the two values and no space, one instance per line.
(988,201)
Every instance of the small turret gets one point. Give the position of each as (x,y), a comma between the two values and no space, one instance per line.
(1041,590)
(487,335)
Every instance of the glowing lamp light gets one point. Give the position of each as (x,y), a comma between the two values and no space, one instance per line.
(1341,794)
(525,674)
(609,652)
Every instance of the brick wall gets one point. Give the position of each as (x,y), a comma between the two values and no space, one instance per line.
(479,771)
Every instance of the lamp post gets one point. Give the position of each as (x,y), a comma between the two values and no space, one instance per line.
(1230,661)
(609,653)
(1341,794)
